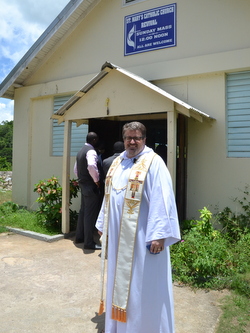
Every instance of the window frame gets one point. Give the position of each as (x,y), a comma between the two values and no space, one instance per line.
(238,114)
(78,134)
(130,2)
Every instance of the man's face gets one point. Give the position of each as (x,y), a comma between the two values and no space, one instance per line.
(95,142)
(133,142)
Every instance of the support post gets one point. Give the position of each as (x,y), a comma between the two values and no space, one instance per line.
(66,177)
(172,134)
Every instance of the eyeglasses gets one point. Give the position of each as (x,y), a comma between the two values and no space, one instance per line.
(135,138)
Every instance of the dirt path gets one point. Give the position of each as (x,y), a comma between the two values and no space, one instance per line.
(54,287)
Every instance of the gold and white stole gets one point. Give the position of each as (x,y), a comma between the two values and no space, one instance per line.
(128,230)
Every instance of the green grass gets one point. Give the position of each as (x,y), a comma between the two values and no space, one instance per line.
(12,216)
(236,314)
(3,229)
(26,220)
(5,196)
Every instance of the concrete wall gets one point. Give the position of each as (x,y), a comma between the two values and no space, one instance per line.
(213,179)
(212,39)
(208,34)
(32,158)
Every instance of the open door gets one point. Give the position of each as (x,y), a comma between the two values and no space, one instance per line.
(110,131)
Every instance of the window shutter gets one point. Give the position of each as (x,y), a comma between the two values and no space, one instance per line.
(78,134)
(238,114)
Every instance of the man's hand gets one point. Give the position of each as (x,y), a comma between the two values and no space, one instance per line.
(157,245)
(99,233)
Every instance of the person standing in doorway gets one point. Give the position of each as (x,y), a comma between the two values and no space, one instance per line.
(138,222)
(117,149)
(88,171)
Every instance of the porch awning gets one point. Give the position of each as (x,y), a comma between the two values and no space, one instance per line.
(114,94)
(180,106)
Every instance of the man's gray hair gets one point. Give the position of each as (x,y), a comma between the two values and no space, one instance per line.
(134,126)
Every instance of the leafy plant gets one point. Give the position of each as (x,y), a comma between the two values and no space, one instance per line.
(50,201)
(235,224)
(206,257)
(6,138)
(4,164)
(204,225)
(8,207)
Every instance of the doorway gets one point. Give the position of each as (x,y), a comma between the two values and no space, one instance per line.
(110,131)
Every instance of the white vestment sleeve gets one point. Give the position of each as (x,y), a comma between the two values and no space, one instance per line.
(162,219)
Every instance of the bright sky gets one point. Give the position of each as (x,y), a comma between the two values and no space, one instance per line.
(21,23)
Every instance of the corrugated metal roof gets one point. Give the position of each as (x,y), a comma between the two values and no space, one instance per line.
(63,24)
(181,106)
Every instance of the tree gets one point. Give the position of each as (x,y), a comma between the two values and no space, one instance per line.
(6,139)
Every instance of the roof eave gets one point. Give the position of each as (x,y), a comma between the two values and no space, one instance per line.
(29,61)
(180,106)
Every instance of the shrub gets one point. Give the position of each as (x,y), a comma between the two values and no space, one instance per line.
(236,224)
(241,251)
(4,164)
(8,207)
(198,259)
(50,202)
(206,257)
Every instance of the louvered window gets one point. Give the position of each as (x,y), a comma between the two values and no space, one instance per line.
(126,2)
(78,134)
(238,114)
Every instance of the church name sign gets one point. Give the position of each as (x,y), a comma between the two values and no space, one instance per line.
(150,30)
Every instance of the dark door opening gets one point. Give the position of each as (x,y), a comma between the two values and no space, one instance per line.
(181,167)
(110,131)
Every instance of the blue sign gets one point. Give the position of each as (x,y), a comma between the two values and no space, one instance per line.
(149,30)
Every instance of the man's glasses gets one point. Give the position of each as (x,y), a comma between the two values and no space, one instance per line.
(135,138)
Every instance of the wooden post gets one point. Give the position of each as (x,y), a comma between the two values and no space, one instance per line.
(171,130)
(66,177)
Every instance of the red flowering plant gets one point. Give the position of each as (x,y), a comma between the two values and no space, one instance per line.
(50,202)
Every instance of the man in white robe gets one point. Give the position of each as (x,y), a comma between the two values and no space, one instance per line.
(150,306)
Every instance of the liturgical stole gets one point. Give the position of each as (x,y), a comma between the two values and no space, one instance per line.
(128,228)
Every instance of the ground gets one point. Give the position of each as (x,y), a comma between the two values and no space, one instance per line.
(54,287)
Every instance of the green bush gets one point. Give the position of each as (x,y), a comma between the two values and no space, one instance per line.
(5,165)
(241,252)
(8,207)
(6,138)
(235,224)
(50,202)
(206,257)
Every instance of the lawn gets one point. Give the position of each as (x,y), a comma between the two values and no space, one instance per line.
(235,316)
(5,196)
(13,216)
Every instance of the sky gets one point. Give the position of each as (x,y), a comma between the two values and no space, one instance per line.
(21,23)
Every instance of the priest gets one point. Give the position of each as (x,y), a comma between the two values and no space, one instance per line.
(138,222)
